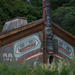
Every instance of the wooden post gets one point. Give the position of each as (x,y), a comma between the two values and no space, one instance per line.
(51,44)
(0,26)
(47,24)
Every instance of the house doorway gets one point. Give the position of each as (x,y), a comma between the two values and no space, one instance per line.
(50,59)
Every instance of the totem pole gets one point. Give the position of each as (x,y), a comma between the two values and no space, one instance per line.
(51,43)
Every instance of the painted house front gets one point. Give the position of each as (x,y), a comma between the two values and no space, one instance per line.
(27,44)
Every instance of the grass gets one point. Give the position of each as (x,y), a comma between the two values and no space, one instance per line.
(62,68)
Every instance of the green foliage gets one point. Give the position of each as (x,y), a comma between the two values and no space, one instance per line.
(72,2)
(62,68)
(63,11)
(13,8)
(65,17)
(57,3)
(36,3)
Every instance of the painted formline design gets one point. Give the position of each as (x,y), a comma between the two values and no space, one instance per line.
(58,56)
(34,56)
(30,43)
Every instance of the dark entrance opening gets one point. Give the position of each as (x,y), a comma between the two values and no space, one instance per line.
(50,59)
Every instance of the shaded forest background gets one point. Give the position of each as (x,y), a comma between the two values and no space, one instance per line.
(63,11)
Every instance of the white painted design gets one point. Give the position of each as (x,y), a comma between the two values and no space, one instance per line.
(7,57)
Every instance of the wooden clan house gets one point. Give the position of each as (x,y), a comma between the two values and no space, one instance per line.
(25,42)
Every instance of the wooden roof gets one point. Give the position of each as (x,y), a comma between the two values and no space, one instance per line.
(63,34)
(56,30)
(17,30)
(14,23)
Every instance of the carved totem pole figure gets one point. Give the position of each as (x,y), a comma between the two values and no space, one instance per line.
(51,43)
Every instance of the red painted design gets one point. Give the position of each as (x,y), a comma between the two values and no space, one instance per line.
(27,48)
(34,56)
(30,54)
(65,51)
(11,45)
